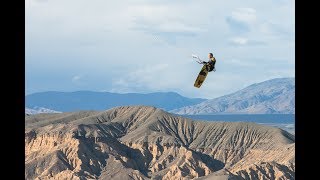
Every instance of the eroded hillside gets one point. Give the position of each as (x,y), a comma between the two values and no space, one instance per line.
(140,142)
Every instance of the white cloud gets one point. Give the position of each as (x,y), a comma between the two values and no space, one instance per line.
(277,31)
(164,22)
(242,20)
(154,13)
(178,27)
(76,79)
(246,15)
(240,63)
(149,77)
(242,41)
(239,40)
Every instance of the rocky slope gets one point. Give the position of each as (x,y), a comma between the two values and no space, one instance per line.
(269,97)
(140,142)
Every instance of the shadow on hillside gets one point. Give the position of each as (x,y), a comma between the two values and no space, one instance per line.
(213,164)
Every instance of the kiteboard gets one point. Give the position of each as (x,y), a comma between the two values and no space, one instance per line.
(201,76)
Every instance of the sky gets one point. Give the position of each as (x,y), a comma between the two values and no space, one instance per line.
(146,46)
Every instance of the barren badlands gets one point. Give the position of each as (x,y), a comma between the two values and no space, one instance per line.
(142,142)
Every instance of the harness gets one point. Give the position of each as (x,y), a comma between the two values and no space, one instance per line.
(211,63)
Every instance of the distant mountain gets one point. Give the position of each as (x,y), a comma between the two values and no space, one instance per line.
(140,142)
(268,97)
(37,110)
(88,100)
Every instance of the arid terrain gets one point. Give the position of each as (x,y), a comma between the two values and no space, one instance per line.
(141,142)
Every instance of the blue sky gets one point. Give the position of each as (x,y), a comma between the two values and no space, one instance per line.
(146,45)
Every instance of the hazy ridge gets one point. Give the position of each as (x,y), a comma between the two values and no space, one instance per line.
(269,97)
(89,100)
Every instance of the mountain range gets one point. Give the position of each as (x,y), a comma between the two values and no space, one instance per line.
(89,100)
(142,142)
(275,96)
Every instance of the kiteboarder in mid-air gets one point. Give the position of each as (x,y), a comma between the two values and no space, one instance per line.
(207,67)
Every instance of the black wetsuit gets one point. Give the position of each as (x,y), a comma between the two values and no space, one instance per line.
(210,64)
